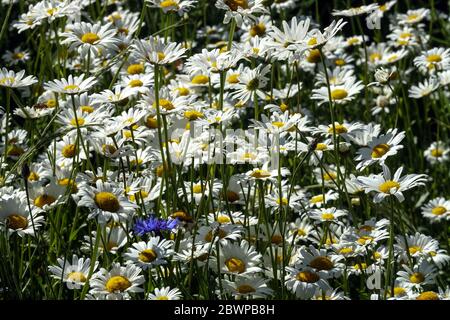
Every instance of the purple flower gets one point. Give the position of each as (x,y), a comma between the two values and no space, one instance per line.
(154,224)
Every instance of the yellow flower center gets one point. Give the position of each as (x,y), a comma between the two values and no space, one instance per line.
(87,109)
(321,147)
(417,277)
(284,107)
(223,219)
(117,284)
(43,200)
(233,78)
(346,250)
(434,58)
(200,79)
(312,41)
(166,104)
(69,151)
(181,215)
(437,153)
(317,199)
(428,295)
(380,150)
(107,201)
(415,249)
(301,232)
(16,221)
(339,62)
(307,276)
(76,123)
(33,176)
(258,30)
(235,4)
(258,174)
(18,56)
(278,124)
(147,255)
(76,276)
(135,68)
(386,187)
(235,265)
(282,201)
(183,91)
(71,87)
(339,94)
(375,56)
(168,4)
(339,128)
(352,41)
(313,56)
(135,83)
(193,114)
(329,176)
(151,122)
(51,103)
(437,211)
(161,56)
(327,216)
(197,188)
(245,288)
(412,17)
(69,183)
(364,240)
(220,234)
(321,263)
(90,38)
(399,291)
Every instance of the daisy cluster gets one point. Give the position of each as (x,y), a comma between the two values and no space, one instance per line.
(333,178)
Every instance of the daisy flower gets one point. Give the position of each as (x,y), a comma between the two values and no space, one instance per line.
(437,153)
(119,282)
(238,259)
(437,210)
(420,275)
(413,17)
(71,85)
(252,287)
(156,51)
(304,282)
(165,294)
(340,94)
(149,254)
(10,79)
(326,215)
(90,38)
(418,245)
(384,185)
(15,216)
(17,56)
(251,83)
(434,59)
(75,273)
(380,148)
(106,202)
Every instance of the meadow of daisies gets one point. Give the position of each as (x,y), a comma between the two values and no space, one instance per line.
(226,149)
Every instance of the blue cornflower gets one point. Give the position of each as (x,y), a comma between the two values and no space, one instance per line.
(154,224)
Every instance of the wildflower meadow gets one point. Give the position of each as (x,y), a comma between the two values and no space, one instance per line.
(224,150)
